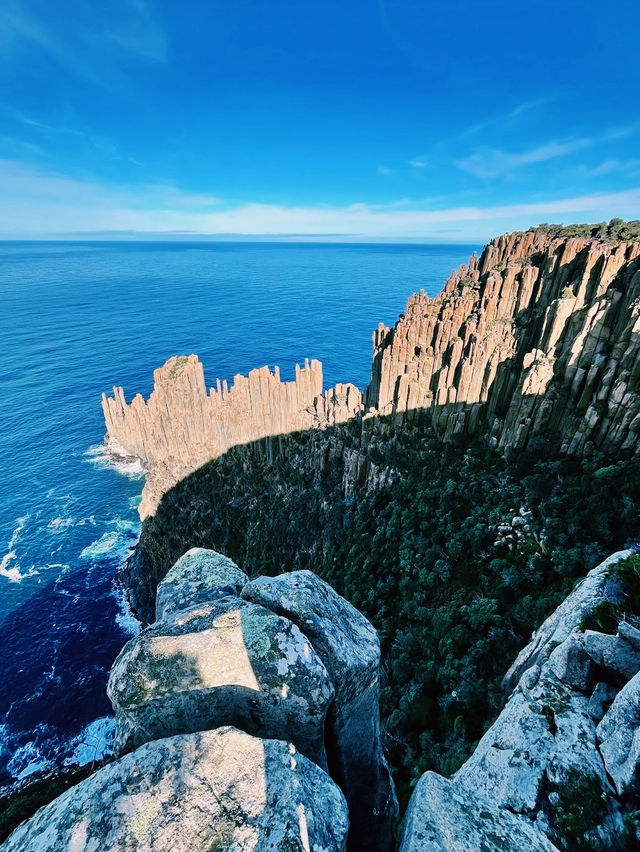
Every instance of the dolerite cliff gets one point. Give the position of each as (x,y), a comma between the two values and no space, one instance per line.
(538,339)
(535,343)
(247,721)
(183,425)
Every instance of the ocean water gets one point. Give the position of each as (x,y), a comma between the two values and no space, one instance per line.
(76,318)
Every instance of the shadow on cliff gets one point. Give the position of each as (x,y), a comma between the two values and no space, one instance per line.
(313,476)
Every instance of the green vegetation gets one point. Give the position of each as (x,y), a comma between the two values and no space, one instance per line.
(580,806)
(615,231)
(18,806)
(453,597)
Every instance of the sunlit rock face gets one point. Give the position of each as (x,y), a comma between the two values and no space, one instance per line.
(444,817)
(182,425)
(349,647)
(536,341)
(223,662)
(200,575)
(219,790)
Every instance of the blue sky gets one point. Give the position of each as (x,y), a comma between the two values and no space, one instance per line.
(442,120)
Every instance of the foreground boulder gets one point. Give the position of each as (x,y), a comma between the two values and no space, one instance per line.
(348,646)
(619,735)
(224,662)
(220,790)
(198,576)
(444,817)
(597,587)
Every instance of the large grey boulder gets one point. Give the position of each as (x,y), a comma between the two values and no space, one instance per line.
(217,791)
(445,817)
(619,735)
(223,662)
(200,575)
(350,650)
(596,587)
(544,731)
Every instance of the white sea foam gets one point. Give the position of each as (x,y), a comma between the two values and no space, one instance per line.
(107,542)
(59,524)
(125,619)
(10,568)
(125,526)
(27,760)
(98,456)
(92,743)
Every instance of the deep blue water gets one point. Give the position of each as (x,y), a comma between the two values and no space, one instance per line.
(76,318)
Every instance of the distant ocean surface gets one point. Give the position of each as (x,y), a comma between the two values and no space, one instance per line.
(77,318)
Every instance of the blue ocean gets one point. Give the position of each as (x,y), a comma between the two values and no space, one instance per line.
(77,318)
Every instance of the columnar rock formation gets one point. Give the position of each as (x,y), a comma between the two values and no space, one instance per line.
(182,426)
(240,713)
(540,337)
(572,718)
(537,341)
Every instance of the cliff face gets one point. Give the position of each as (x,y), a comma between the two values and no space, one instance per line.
(537,341)
(182,426)
(540,337)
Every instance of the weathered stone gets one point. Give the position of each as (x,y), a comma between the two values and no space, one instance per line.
(619,735)
(217,663)
(182,426)
(596,587)
(571,663)
(218,790)
(630,634)
(601,698)
(541,734)
(444,817)
(612,653)
(349,647)
(200,575)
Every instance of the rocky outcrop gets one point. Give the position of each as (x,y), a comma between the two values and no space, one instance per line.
(349,647)
(221,663)
(559,728)
(200,575)
(538,340)
(182,425)
(444,817)
(291,662)
(218,790)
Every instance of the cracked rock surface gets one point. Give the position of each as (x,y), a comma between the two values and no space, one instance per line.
(216,791)
(224,662)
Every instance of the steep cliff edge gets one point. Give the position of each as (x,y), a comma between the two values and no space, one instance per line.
(537,342)
(228,690)
(182,425)
(539,338)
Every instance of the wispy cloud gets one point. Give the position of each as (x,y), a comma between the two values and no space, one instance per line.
(614,166)
(89,40)
(419,163)
(494,163)
(384,170)
(533,104)
(34,202)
